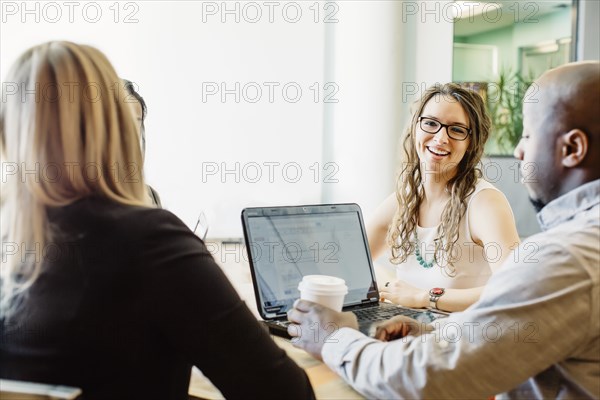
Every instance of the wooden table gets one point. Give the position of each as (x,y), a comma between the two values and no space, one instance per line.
(326,383)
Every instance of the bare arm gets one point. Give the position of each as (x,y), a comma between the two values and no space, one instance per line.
(400,292)
(377,227)
(492,226)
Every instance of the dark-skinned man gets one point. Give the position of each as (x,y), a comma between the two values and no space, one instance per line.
(535,332)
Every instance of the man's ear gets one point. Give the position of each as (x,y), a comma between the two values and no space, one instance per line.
(574,147)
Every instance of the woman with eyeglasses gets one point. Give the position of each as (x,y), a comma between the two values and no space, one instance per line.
(99,289)
(448,229)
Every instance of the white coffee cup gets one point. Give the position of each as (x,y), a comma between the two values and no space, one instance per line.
(328,291)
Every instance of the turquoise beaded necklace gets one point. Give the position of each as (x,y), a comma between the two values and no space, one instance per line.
(420,259)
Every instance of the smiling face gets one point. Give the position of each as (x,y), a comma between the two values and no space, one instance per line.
(438,153)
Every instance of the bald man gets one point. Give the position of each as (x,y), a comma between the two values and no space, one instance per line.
(535,332)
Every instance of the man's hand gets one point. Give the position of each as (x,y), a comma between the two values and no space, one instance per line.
(313,325)
(400,326)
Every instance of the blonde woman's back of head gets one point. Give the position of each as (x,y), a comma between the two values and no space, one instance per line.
(66,132)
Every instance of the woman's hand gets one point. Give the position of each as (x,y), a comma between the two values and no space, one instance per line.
(400,292)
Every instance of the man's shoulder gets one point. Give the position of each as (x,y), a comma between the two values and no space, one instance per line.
(577,244)
(553,258)
(547,271)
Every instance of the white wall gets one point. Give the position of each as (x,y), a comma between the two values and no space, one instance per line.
(434,36)
(588,31)
(382,62)
(376,57)
(171,53)
(367,47)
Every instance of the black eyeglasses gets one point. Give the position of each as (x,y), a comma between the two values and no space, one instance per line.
(456,132)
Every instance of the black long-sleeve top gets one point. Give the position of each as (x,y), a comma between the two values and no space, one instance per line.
(128,300)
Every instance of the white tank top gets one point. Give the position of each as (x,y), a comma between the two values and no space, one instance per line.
(470,269)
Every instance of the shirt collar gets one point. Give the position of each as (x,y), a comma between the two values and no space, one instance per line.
(567,206)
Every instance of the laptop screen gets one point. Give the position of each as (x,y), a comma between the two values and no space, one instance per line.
(286,243)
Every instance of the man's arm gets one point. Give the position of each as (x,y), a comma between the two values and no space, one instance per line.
(529,317)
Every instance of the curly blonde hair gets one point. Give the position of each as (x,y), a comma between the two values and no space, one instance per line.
(65,111)
(409,189)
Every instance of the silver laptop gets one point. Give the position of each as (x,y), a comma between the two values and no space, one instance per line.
(286,243)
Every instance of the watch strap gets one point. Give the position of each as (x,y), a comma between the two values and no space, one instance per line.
(434,296)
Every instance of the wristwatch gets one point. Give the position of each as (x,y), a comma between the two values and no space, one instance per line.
(434,296)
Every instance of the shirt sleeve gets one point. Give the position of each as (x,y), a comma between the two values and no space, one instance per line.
(202,317)
(533,313)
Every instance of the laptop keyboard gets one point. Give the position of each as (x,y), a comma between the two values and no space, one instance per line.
(385,311)
(282,323)
(366,316)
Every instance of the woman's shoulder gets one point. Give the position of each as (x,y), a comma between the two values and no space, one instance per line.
(487,188)
(148,222)
(104,215)
(482,184)
(485,202)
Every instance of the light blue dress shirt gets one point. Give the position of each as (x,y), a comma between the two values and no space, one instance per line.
(534,333)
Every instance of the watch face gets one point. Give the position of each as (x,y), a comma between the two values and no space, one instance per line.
(437,291)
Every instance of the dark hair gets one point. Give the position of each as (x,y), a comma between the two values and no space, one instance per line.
(129,86)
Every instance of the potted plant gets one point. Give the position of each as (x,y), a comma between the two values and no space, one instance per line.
(505,104)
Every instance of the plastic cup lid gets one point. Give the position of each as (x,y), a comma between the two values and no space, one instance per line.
(324,284)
